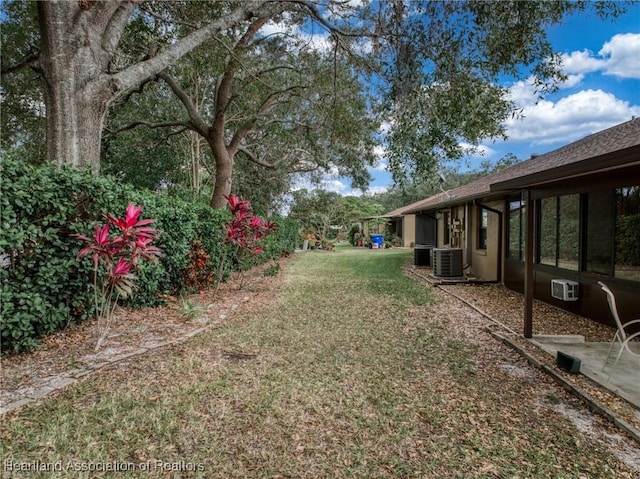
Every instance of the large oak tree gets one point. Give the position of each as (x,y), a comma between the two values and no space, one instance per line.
(438,65)
(277,103)
(77,59)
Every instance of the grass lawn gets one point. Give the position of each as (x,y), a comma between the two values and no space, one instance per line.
(345,371)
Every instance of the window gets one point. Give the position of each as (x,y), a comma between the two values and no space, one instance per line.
(627,227)
(483,221)
(569,232)
(599,232)
(610,232)
(515,232)
(548,231)
(559,244)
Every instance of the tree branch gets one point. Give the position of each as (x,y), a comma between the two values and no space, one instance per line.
(275,68)
(99,14)
(272,100)
(194,115)
(166,138)
(157,16)
(223,93)
(162,124)
(139,89)
(31,62)
(249,154)
(315,14)
(114,29)
(133,75)
(308,169)
(285,159)
(240,134)
(268,104)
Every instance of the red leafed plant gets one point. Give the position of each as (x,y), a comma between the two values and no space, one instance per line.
(245,231)
(198,273)
(115,257)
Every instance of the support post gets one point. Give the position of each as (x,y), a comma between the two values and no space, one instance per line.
(528,264)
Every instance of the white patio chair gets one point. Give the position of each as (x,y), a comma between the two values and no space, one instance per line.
(621,334)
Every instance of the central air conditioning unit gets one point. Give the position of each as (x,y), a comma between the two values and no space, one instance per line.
(564,289)
(447,262)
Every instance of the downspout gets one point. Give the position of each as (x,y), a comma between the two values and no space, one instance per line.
(500,219)
(467,233)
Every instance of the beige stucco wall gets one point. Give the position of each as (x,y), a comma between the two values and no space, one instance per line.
(408,230)
(456,234)
(483,264)
(441,225)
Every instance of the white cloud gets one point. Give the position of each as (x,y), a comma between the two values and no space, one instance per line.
(622,55)
(381,163)
(379,151)
(333,171)
(319,41)
(523,93)
(273,28)
(571,81)
(336,186)
(377,189)
(570,118)
(618,57)
(580,62)
(477,151)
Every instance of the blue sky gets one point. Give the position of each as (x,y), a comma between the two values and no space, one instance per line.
(602,60)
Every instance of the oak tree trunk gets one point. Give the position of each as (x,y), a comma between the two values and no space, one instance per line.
(224,172)
(76,94)
(78,42)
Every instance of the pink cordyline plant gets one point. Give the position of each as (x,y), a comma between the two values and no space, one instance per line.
(244,230)
(118,255)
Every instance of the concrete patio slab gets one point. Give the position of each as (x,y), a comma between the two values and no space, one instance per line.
(623,378)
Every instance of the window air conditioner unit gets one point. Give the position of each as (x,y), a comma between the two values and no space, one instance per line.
(447,262)
(564,289)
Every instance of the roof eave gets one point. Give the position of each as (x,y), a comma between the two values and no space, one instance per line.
(590,166)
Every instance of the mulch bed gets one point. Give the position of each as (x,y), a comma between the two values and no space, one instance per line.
(507,306)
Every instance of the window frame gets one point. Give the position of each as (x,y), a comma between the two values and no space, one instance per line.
(509,209)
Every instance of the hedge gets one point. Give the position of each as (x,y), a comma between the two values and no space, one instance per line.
(43,286)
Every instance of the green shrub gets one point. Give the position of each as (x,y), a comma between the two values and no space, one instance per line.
(283,241)
(43,286)
(354,235)
(210,224)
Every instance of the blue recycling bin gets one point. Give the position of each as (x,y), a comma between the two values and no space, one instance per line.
(377,240)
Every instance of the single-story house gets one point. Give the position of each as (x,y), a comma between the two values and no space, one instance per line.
(570,217)
(402,225)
